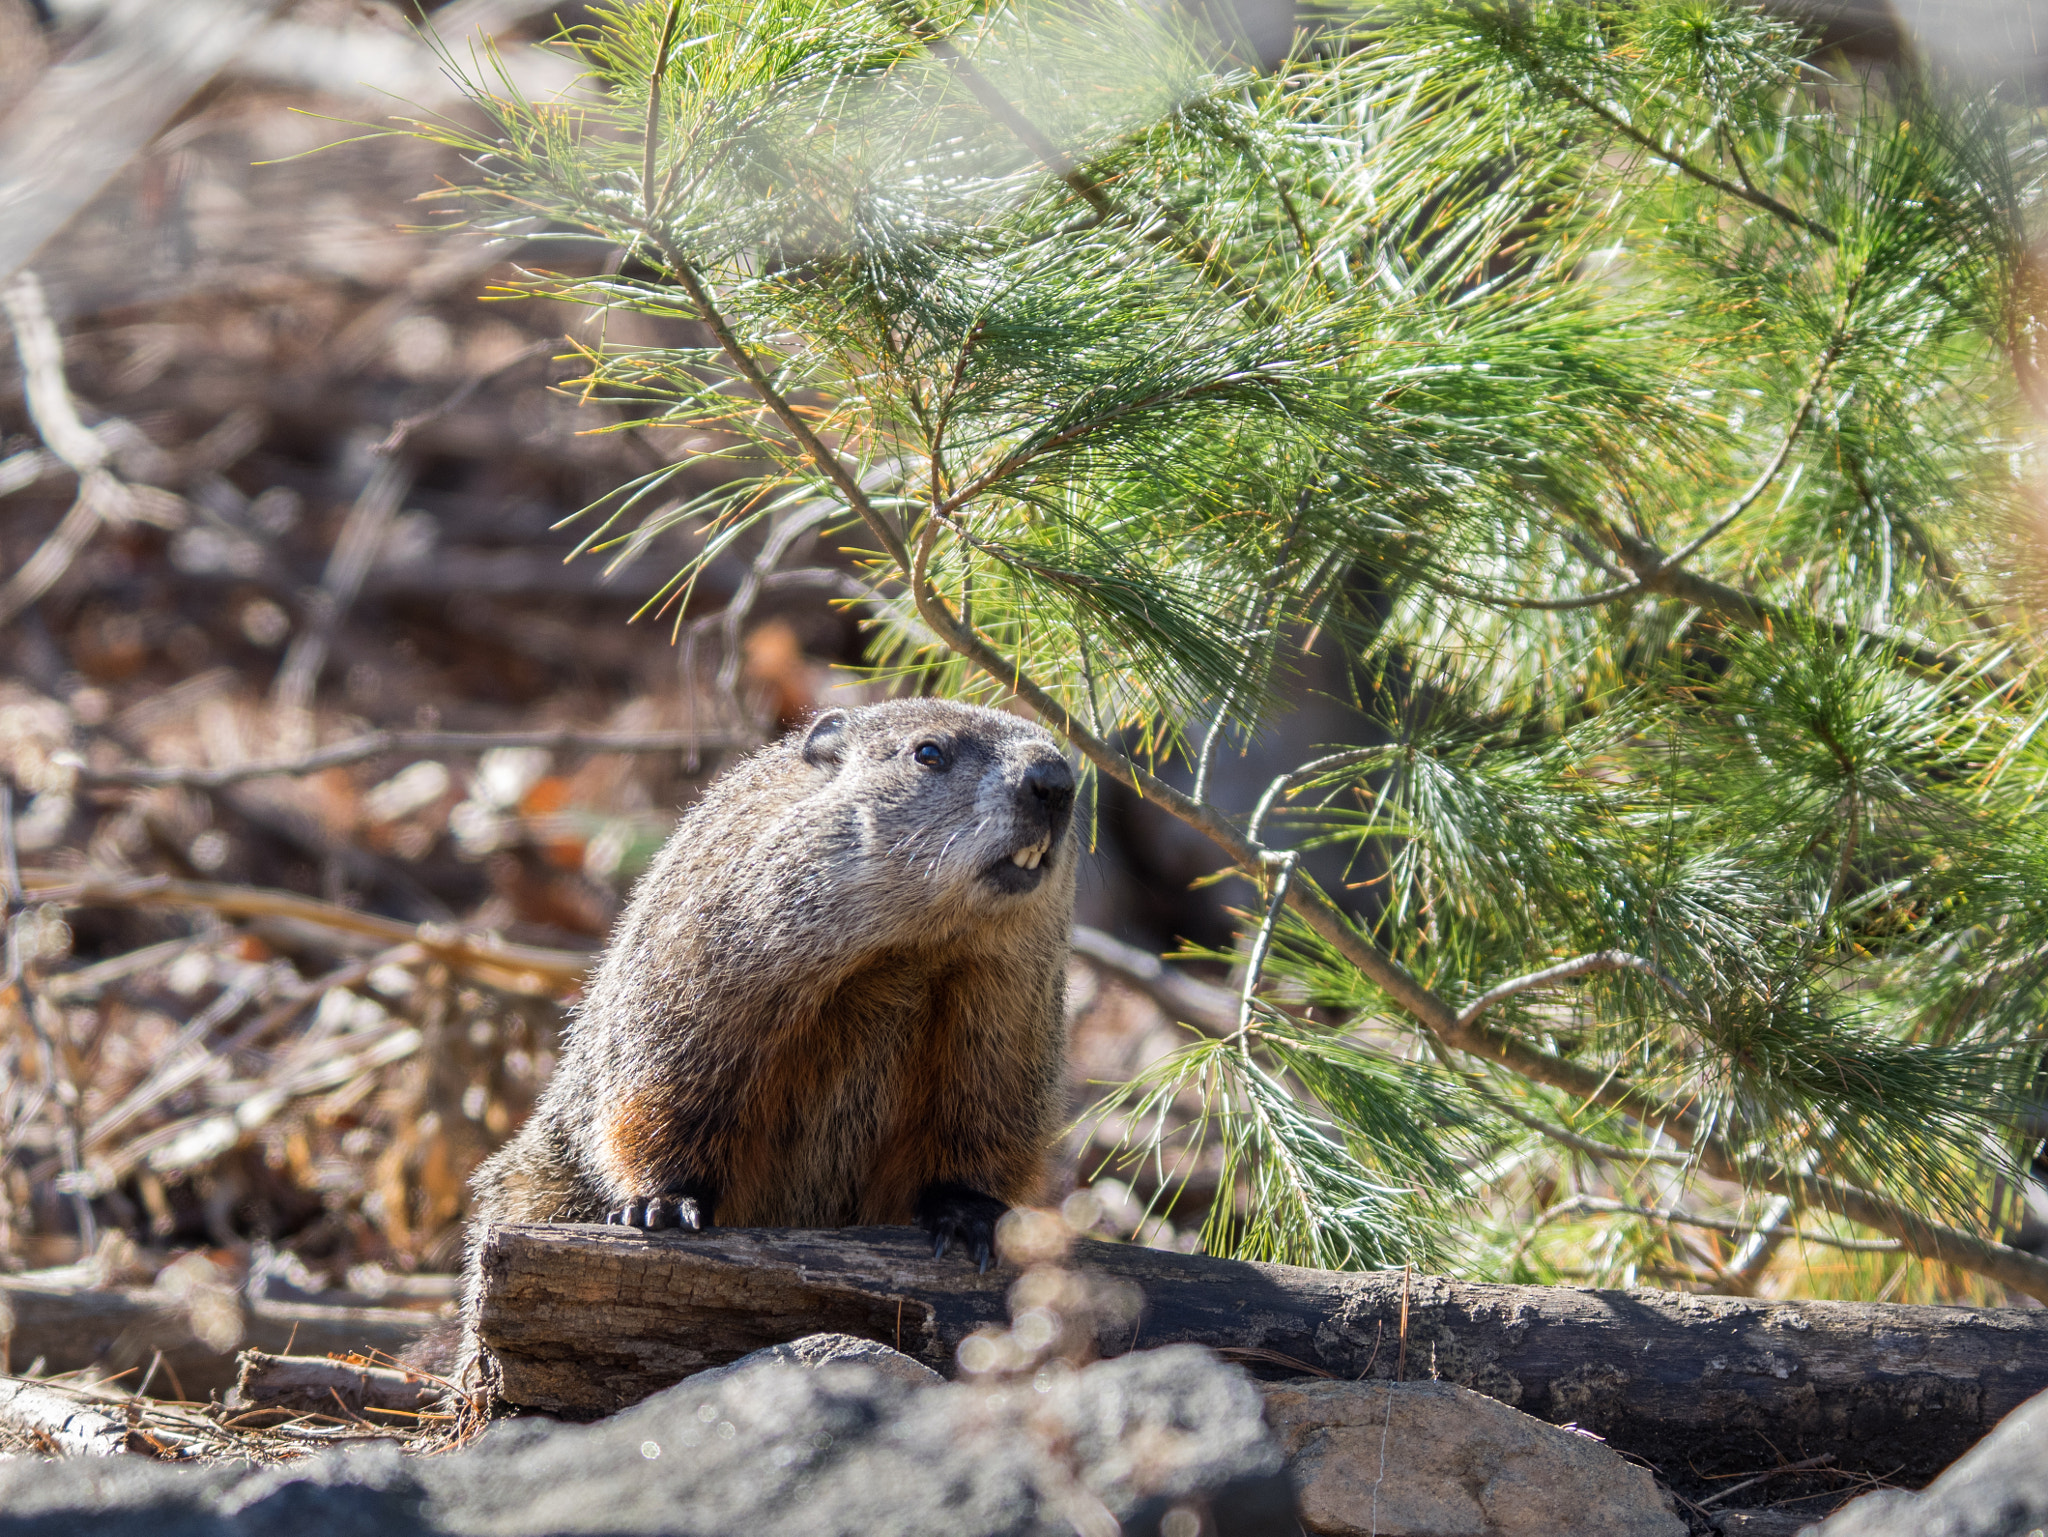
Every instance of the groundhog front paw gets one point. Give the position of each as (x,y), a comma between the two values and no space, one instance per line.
(653,1212)
(948,1212)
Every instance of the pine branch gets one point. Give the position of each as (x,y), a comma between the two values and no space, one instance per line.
(2024,1272)
(1166,229)
(1691,168)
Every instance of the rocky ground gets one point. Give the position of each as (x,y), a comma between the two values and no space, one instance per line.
(838,1435)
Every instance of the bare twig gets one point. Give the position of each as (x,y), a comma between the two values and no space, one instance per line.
(101,496)
(170,1073)
(786,533)
(378,744)
(1262,945)
(1805,1465)
(38,1011)
(456,398)
(1307,770)
(354,553)
(1759,1244)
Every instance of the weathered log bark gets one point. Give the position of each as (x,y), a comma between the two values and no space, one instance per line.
(581,1320)
(71,1329)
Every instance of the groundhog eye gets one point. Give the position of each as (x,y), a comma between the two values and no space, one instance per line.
(930,754)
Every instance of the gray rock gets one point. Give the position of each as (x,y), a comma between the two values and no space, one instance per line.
(1164,1441)
(1999,1488)
(815,1350)
(1431,1459)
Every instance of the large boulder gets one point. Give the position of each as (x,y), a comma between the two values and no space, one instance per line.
(1166,1441)
(1431,1459)
(1999,1488)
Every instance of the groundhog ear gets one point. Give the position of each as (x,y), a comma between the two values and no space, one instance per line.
(825,741)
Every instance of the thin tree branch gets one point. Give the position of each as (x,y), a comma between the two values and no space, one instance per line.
(650,199)
(456,398)
(171,1074)
(744,364)
(1307,770)
(1601,1204)
(1753,613)
(378,744)
(1592,1147)
(1019,458)
(101,495)
(1646,581)
(1744,502)
(1262,944)
(1578,966)
(1762,1242)
(1697,172)
(786,533)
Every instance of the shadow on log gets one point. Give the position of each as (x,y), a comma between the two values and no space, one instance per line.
(581,1320)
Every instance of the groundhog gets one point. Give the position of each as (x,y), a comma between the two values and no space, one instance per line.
(837,996)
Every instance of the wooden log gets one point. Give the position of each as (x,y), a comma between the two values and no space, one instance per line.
(326,1386)
(75,1328)
(581,1320)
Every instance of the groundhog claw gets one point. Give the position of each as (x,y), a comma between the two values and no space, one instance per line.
(952,1211)
(656,1212)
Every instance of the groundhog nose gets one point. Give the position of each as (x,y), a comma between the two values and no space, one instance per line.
(1049,784)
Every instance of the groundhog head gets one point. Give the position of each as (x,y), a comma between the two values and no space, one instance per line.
(963,809)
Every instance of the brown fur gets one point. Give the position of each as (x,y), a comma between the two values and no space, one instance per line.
(822,999)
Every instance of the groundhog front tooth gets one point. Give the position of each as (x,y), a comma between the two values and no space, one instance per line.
(1021,859)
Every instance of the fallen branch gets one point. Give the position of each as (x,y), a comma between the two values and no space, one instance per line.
(63,1423)
(316,1384)
(379,744)
(582,1320)
(78,1328)
(527,969)
(1210,1009)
